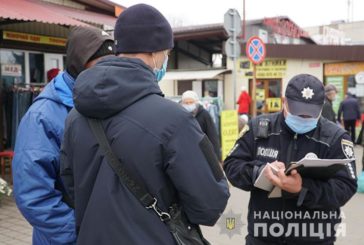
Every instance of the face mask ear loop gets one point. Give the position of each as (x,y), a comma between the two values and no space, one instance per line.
(155,64)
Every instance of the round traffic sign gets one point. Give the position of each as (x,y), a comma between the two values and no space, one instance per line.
(255,50)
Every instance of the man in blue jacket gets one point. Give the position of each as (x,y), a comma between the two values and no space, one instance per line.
(37,185)
(158,141)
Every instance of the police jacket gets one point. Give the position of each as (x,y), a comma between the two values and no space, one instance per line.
(208,127)
(36,165)
(286,219)
(156,140)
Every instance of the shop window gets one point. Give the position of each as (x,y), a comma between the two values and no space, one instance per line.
(12,68)
(268,95)
(36,68)
(183,86)
(209,88)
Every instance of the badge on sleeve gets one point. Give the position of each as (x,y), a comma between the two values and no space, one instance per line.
(348,148)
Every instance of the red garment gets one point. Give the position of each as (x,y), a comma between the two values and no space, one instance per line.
(244,103)
(52,73)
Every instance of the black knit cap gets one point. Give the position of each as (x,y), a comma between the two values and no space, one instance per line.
(82,44)
(142,29)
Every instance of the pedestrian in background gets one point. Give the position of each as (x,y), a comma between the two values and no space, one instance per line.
(38,191)
(244,102)
(327,110)
(350,111)
(243,120)
(191,102)
(158,142)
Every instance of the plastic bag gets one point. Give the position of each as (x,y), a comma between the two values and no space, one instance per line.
(361,183)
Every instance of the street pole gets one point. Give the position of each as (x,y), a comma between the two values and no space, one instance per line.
(243,20)
(254,104)
(234,63)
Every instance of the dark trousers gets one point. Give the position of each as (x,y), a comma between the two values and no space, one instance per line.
(350,127)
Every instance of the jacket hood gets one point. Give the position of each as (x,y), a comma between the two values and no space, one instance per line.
(112,85)
(82,44)
(49,93)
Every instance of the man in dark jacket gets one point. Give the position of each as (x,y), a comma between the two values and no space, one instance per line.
(190,102)
(155,139)
(308,209)
(350,110)
(37,183)
(327,110)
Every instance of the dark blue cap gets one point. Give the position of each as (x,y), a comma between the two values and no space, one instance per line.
(305,95)
(142,29)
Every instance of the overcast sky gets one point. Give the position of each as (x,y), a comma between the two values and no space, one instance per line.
(303,12)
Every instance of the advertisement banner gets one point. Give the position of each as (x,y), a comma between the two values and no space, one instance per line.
(229,131)
(30,38)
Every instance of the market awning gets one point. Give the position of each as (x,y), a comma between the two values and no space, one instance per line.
(194,75)
(83,15)
(35,11)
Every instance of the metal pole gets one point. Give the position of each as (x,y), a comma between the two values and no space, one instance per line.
(244,20)
(234,61)
(254,104)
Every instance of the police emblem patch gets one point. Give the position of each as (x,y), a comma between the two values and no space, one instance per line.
(307,93)
(348,148)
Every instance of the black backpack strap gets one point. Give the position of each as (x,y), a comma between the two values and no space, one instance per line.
(138,190)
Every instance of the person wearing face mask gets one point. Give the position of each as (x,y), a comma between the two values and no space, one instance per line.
(159,143)
(190,102)
(306,204)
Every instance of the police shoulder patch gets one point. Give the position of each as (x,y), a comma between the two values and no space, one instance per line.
(244,130)
(347,148)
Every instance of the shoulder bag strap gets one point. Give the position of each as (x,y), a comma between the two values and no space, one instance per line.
(136,188)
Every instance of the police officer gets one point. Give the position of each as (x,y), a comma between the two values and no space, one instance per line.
(307,210)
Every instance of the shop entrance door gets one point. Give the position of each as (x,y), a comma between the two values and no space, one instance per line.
(53,61)
(268,95)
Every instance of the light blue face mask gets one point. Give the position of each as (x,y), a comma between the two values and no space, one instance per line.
(300,125)
(190,108)
(159,73)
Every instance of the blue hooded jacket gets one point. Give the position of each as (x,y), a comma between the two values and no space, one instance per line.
(36,165)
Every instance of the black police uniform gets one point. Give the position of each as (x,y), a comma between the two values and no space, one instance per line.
(302,213)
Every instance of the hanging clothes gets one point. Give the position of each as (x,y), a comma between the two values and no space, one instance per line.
(16,100)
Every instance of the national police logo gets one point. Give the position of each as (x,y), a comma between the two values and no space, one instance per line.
(230,224)
(348,148)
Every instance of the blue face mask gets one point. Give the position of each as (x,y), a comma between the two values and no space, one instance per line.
(159,73)
(300,125)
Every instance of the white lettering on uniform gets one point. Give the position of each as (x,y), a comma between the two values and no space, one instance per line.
(267,152)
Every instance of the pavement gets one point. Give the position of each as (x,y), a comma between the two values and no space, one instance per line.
(14,230)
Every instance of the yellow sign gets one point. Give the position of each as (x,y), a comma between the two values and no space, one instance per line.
(267,69)
(30,38)
(274,104)
(342,69)
(260,94)
(229,131)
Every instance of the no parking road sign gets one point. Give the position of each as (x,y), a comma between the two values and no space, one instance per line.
(255,50)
